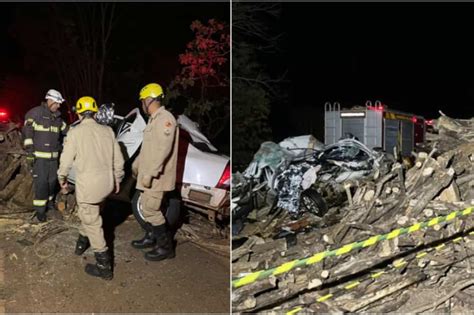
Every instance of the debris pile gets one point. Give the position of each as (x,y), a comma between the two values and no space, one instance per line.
(16,182)
(399,239)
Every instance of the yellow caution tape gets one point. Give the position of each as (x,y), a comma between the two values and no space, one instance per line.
(421,255)
(352,285)
(286,267)
(324,298)
(399,264)
(296,310)
(378,274)
(396,264)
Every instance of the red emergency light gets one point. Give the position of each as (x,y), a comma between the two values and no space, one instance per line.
(376,108)
(3,115)
(429,122)
(414,120)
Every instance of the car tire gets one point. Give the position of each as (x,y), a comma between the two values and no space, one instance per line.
(313,202)
(172,211)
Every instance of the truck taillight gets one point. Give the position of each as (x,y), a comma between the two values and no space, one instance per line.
(224,181)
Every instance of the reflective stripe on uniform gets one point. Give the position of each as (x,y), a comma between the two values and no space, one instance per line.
(28,141)
(39,203)
(46,155)
(38,127)
(63,126)
(29,120)
(50,198)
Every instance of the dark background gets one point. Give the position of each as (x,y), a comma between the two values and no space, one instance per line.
(144,47)
(417,58)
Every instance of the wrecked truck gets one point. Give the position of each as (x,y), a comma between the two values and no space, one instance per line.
(301,174)
(203,174)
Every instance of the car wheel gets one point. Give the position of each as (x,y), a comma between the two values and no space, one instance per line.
(172,211)
(313,202)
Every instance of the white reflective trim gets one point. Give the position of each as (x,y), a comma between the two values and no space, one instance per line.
(360,114)
(28,141)
(46,155)
(39,203)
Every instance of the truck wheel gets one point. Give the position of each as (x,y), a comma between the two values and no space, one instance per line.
(172,211)
(313,202)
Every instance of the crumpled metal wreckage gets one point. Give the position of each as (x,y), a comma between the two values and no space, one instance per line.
(105,115)
(289,171)
(266,161)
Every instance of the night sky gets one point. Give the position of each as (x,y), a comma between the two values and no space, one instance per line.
(151,34)
(414,57)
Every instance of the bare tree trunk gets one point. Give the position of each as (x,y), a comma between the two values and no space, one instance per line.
(106,27)
(81,49)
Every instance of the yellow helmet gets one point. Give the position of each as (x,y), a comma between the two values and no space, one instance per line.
(151,90)
(86,103)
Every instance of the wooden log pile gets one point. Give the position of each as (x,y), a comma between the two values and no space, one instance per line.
(441,181)
(16,182)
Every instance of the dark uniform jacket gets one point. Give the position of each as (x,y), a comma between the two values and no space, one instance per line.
(42,132)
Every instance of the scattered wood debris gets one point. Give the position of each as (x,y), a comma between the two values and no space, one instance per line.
(428,269)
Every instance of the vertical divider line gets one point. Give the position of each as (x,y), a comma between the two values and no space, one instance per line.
(2,280)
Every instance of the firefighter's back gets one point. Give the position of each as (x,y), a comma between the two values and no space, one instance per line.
(94,160)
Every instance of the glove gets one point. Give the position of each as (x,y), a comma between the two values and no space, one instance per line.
(146,181)
(30,161)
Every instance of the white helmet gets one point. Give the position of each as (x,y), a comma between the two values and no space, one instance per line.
(55,96)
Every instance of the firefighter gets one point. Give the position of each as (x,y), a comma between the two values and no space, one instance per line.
(42,135)
(155,170)
(98,163)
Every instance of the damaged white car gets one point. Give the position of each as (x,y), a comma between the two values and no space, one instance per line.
(203,174)
(302,174)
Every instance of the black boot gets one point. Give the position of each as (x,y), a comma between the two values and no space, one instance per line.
(82,245)
(41,216)
(147,241)
(164,244)
(102,268)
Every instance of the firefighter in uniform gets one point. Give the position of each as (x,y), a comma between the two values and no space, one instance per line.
(98,162)
(42,134)
(155,170)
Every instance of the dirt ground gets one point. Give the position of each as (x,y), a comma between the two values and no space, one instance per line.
(48,277)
